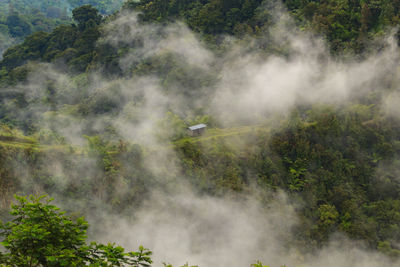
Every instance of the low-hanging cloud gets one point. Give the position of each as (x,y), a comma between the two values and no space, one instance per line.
(180,225)
(237,231)
(207,231)
(250,87)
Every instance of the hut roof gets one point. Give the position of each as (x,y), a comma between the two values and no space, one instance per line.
(196,127)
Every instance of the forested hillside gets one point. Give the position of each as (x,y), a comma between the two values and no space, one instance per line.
(299,164)
(20,18)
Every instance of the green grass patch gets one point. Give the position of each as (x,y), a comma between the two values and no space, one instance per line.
(217,133)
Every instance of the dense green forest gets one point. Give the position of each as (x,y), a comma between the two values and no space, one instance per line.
(20,18)
(301,151)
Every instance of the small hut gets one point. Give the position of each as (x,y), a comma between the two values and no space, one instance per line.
(197,130)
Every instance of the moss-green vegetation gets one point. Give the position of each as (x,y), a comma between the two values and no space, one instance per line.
(20,18)
(345,24)
(342,164)
(75,121)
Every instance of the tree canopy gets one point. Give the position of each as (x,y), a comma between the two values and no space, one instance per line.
(39,234)
(339,160)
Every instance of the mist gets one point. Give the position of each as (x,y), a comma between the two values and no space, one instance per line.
(230,231)
(244,85)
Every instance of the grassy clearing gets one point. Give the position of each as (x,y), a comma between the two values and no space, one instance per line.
(17,145)
(16,140)
(8,135)
(217,133)
(212,135)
